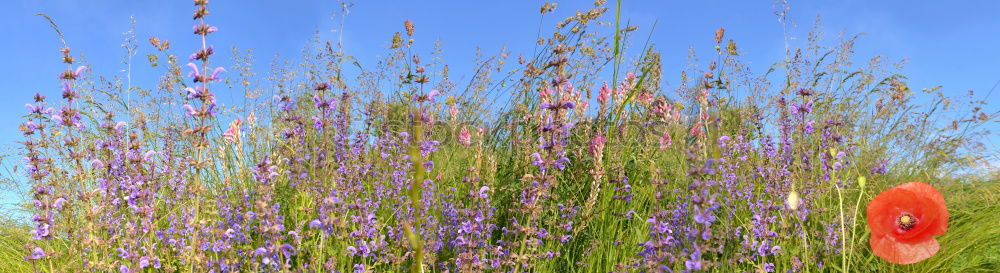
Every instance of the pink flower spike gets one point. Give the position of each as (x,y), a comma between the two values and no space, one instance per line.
(453,111)
(545,93)
(464,137)
(665,140)
(597,145)
(604,94)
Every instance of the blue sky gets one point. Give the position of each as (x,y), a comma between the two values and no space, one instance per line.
(949,43)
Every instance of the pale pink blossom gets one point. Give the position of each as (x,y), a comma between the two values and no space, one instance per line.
(464,137)
(233,133)
(453,111)
(666,140)
(597,145)
(604,94)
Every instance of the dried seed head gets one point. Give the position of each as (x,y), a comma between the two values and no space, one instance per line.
(409,27)
(548,7)
(718,35)
(397,41)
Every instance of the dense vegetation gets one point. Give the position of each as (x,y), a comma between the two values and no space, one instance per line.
(574,159)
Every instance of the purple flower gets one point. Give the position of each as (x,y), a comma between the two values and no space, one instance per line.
(432,94)
(58,204)
(79,70)
(704,217)
(36,254)
(195,72)
(215,73)
(190,110)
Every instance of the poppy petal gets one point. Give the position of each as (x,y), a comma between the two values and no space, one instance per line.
(937,202)
(887,248)
(883,210)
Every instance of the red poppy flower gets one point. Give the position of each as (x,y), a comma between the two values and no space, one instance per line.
(904,220)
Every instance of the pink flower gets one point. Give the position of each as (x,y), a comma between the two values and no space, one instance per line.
(545,93)
(453,111)
(665,140)
(597,145)
(703,97)
(252,118)
(663,109)
(604,94)
(464,137)
(232,134)
(696,129)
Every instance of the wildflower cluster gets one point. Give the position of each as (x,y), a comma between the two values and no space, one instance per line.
(401,169)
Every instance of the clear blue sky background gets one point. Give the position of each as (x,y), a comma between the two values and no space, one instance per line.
(951,43)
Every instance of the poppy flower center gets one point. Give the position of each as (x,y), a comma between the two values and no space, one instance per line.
(906,221)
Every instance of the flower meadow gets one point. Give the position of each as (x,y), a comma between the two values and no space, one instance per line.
(572,159)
